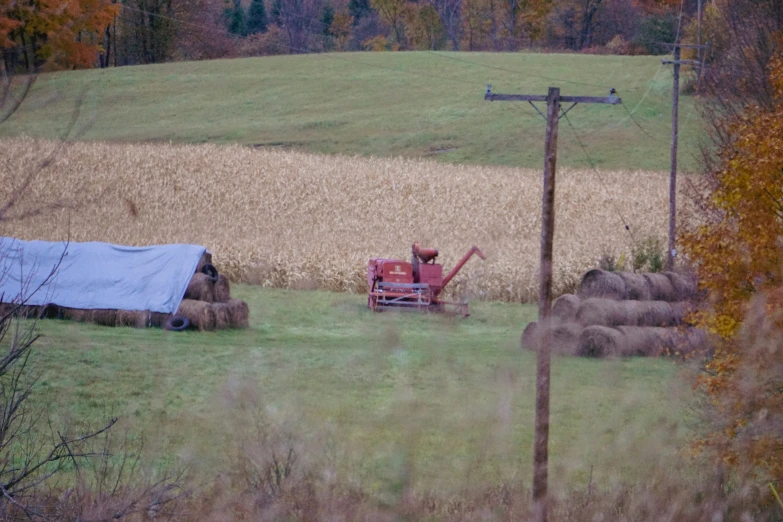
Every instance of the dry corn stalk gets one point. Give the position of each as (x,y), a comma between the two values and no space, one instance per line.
(295,220)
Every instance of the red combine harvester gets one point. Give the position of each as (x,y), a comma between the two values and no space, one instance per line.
(416,285)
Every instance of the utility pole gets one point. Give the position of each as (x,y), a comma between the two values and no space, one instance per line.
(672,253)
(543,358)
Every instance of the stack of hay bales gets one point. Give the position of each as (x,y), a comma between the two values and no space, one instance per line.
(622,314)
(208,304)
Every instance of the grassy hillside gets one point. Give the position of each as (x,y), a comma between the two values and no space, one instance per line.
(421,104)
(376,397)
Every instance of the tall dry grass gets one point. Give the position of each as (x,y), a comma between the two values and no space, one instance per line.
(288,219)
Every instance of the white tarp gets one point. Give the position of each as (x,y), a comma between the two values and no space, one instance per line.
(96,275)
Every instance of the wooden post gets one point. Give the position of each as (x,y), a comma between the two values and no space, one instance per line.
(543,360)
(673,171)
(698,30)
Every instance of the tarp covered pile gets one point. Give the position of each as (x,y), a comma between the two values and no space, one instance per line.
(99,282)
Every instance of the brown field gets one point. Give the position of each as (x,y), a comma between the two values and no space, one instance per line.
(294,220)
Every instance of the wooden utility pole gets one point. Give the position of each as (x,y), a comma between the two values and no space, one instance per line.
(672,251)
(698,37)
(673,167)
(543,359)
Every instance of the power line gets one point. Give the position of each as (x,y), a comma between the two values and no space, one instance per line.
(600,179)
(524,73)
(630,115)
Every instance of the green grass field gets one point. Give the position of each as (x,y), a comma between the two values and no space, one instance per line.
(379,398)
(450,401)
(419,104)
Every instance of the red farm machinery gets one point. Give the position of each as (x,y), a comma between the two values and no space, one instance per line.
(417,285)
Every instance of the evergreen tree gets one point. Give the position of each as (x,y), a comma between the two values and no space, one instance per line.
(237,23)
(256,18)
(327,18)
(359,9)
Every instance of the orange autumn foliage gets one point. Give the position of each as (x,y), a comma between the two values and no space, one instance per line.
(738,253)
(61,33)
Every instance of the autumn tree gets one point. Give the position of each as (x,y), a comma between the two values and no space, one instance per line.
(480,26)
(146,32)
(301,22)
(394,14)
(341,28)
(423,27)
(450,13)
(737,249)
(739,254)
(59,33)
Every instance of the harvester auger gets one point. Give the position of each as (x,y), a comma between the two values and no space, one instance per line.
(416,285)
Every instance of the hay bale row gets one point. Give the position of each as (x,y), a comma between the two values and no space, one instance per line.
(203,288)
(610,312)
(607,312)
(621,314)
(563,337)
(206,316)
(622,341)
(130,318)
(619,286)
(207,304)
(628,341)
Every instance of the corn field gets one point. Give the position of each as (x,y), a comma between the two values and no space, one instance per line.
(294,220)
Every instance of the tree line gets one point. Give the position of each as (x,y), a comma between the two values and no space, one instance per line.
(66,34)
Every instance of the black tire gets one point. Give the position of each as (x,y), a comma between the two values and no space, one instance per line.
(177,323)
(211,271)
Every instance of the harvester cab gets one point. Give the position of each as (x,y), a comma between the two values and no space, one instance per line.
(416,285)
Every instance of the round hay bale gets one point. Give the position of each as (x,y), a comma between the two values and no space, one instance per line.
(222,289)
(201,288)
(239,313)
(599,341)
(222,316)
(565,338)
(644,341)
(206,259)
(604,312)
(636,286)
(76,314)
(684,341)
(200,314)
(158,319)
(102,317)
(29,311)
(133,318)
(682,311)
(50,311)
(529,339)
(684,286)
(565,307)
(602,284)
(656,313)
(7,309)
(661,288)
